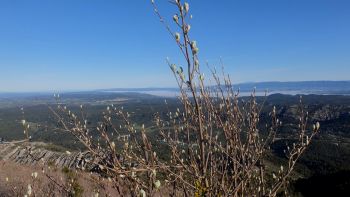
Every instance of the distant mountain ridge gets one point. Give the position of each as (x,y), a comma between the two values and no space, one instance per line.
(297,86)
(307,87)
(291,87)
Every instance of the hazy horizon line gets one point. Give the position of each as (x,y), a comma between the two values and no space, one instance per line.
(149,87)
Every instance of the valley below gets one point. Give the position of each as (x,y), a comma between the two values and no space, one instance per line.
(326,160)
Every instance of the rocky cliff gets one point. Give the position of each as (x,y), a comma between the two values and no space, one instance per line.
(33,153)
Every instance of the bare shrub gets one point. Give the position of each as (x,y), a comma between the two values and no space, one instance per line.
(216,139)
(216,145)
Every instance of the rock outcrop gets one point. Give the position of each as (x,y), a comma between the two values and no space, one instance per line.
(32,154)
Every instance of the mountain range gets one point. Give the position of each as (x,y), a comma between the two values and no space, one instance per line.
(293,87)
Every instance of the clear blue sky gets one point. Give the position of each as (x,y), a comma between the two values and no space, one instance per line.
(50,45)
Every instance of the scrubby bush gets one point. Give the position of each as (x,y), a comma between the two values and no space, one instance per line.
(214,142)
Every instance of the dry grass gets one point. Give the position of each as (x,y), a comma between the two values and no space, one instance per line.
(14,181)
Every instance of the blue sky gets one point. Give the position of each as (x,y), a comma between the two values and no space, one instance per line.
(55,45)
